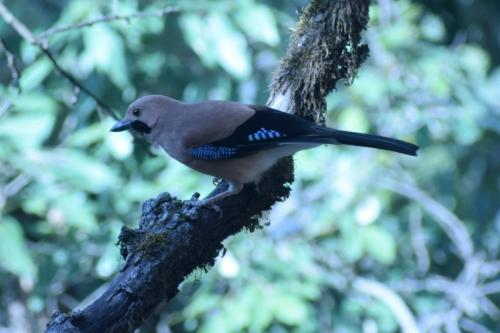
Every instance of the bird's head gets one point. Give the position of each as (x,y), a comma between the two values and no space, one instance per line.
(143,115)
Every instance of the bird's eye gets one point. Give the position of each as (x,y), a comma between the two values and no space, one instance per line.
(136,112)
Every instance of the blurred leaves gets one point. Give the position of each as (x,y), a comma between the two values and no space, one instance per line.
(14,254)
(379,244)
(35,73)
(71,167)
(104,51)
(247,16)
(80,183)
(215,40)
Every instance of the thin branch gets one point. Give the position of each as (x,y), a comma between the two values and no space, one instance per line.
(464,295)
(418,241)
(490,269)
(17,25)
(448,221)
(491,288)
(11,64)
(26,33)
(16,185)
(473,327)
(100,103)
(391,299)
(108,18)
(5,106)
(442,321)
(490,308)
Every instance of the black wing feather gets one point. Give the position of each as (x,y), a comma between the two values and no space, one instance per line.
(269,128)
(266,129)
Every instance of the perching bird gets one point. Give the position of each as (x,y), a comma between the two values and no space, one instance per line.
(234,141)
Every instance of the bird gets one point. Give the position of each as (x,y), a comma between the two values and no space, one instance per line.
(233,141)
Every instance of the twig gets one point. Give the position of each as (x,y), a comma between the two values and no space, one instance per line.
(448,221)
(451,321)
(16,185)
(391,299)
(491,288)
(101,104)
(108,18)
(490,269)
(26,33)
(11,64)
(5,106)
(473,327)
(465,295)
(418,241)
(489,307)
(13,187)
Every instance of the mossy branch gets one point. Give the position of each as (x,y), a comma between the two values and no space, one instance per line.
(174,238)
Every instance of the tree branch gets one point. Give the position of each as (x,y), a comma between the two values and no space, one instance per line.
(449,222)
(108,18)
(27,35)
(11,64)
(174,238)
(398,307)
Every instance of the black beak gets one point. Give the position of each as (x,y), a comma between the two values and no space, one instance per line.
(122,125)
(127,124)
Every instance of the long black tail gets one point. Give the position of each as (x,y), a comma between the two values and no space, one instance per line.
(367,140)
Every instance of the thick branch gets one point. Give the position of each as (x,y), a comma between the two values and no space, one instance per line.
(175,238)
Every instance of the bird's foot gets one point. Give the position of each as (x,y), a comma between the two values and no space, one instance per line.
(206,203)
(215,208)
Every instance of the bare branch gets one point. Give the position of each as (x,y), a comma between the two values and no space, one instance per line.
(100,103)
(26,33)
(403,315)
(11,64)
(5,106)
(108,18)
(17,25)
(491,288)
(16,185)
(473,327)
(418,241)
(448,221)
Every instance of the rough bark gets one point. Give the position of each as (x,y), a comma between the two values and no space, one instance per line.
(174,238)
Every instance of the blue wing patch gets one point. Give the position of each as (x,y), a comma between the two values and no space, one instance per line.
(211,153)
(265,134)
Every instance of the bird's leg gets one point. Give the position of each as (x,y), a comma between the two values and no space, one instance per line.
(234,188)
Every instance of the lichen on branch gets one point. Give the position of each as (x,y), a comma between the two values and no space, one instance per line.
(326,47)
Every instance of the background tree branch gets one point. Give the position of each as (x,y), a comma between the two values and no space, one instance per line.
(42,44)
(174,238)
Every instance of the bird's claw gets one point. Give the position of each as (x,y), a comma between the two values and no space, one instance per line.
(215,208)
(208,205)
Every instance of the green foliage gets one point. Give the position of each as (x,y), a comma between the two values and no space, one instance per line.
(67,185)
(14,254)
